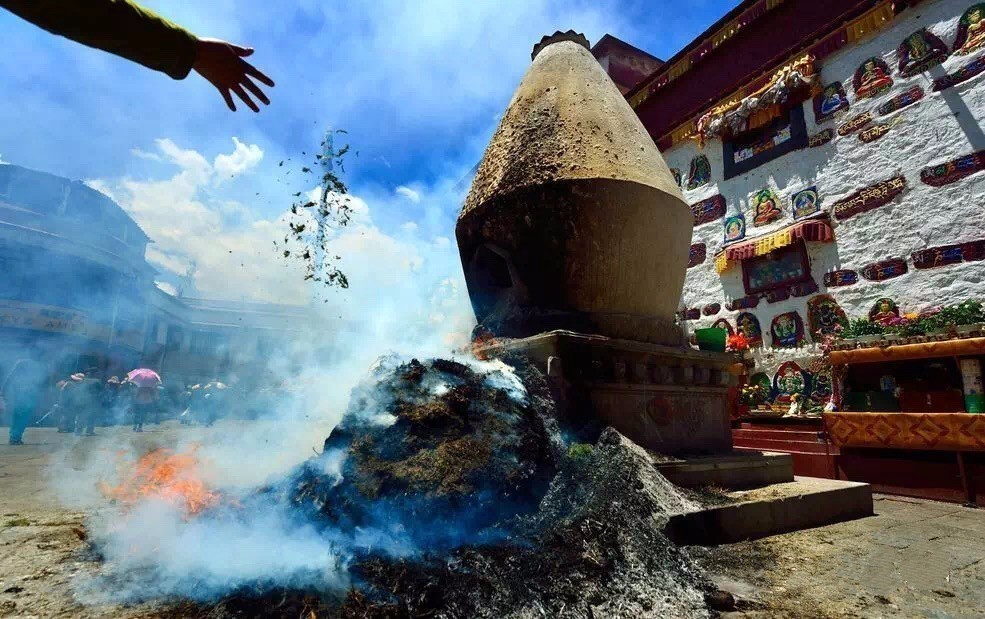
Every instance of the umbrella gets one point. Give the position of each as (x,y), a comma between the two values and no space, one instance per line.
(144,377)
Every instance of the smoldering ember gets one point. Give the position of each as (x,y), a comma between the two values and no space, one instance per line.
(580,413)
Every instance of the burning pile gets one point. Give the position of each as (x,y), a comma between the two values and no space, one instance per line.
(165,475)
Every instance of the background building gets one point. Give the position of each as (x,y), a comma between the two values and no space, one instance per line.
(77,292)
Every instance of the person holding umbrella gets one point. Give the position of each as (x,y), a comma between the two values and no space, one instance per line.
(146,381)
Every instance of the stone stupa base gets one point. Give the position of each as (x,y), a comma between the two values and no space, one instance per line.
(668,399)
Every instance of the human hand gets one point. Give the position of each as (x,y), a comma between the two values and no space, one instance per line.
(222,64)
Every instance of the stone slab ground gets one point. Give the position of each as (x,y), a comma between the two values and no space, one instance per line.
(914,558)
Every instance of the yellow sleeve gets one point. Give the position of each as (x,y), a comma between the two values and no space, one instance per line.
(120,27)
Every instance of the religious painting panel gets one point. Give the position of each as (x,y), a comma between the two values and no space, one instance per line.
(869,198)
(735,228)
(805,203)
(696,254)
(777,269)
(753,148)
(708,210)
(886,269)
(825,316)
(711,309)
(763,381)
(934,257)
(787,330)
(884,311)
(830,100)
(804,289)
(700,172)
(872,78)
(821,389)
(874,132)
(747,324)
(920,51)
(692,313)
(954,170)
(841,277)
(790,379)
(723,324)
(906,98)
(971,30)
(963,74)
(765,207)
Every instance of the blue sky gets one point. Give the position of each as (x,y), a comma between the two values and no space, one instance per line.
(418,85)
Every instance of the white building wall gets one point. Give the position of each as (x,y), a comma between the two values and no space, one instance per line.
(942,126)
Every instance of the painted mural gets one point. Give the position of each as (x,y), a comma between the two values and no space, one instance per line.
(825,316)
(830,100)
(805,203)
(787,330)
(747,324)
(884,310)
(920,51)
(765,207)
(789,379)
(906,98)
(971,30)
(954,170)
(708,210)
(735,228)
(700,172)
(872,78)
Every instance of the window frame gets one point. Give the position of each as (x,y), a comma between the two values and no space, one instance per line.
(794,116)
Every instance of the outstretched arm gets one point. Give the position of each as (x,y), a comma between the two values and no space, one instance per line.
(130,31)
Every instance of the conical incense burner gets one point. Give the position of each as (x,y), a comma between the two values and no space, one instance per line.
(574,220)
(574,241)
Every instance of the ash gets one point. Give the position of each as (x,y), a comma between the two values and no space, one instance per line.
(478,509)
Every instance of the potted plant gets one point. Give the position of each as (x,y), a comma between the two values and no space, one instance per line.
(903,328)
(967,317)
(864,330)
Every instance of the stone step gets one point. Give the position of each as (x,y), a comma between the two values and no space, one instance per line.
(738,469)
(803,503)
(810,436)
(784,446)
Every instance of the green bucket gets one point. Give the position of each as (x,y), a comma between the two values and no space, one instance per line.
(711,339)
(975,403)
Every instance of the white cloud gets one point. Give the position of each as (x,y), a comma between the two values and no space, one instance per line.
(408,193)
(168,288)
(242,159)
(409,227)
(442,242)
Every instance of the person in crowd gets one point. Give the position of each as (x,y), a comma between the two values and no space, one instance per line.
(68,418)
(87,400)
(144,401)
(124,28)
(112,393)
(21,393)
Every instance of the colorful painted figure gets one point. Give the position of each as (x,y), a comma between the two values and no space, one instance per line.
(700,173)
(787,330)
(761,379)
(821,388)
(766,207)
(884,311)
(805,203)
(831,100)
(971,30)
(735,228)
(872,78)
(789,379)
(825,316)
(722,323)
(748,325)
(920,51)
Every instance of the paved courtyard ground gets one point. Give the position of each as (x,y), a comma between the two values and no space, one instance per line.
(914,558)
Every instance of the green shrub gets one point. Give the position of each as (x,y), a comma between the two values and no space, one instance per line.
(860,327)
(580,451)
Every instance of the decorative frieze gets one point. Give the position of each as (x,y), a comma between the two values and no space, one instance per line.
(963,74)
(697,254)
(855,123)
(943,255)
(708,210)
(842,277)
(900,101)
(743,303)
(820,138)
(711,309)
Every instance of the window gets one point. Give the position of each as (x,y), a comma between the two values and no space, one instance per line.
(206,343)
(779,268)
(754,148)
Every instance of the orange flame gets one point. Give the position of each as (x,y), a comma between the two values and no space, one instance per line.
(166,475)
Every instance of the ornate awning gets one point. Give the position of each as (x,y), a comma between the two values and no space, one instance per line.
(974,346)
(818,230)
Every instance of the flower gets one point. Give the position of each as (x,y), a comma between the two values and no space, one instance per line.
(737,342)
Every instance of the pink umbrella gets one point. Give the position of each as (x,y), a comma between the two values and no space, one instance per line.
(144,377)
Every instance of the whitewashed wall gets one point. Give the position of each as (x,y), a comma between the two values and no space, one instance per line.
(942,126)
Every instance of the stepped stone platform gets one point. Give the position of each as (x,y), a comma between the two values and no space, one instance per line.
(803,503)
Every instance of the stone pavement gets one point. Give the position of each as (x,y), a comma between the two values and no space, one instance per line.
(914,558)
